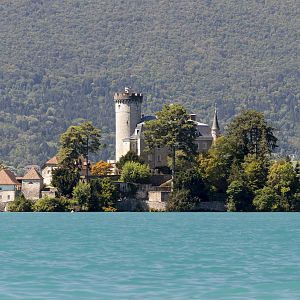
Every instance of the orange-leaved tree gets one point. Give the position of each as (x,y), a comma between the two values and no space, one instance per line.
(101,168)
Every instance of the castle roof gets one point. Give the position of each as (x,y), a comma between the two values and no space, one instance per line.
(203,129)
(52,161)
(7,177)
(32,174)
(147,118)
(215,125)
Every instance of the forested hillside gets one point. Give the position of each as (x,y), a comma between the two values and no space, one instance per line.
(61,62)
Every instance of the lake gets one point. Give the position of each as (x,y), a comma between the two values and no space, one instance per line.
(150,256)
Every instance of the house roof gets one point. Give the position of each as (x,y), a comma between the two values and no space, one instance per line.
(32,174)
(52,161)
(7,177)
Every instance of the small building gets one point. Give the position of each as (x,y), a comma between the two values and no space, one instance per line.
(9,187)
(47,170)
(32,184)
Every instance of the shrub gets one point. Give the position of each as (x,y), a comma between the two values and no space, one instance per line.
(48,204)
(83,196)
(101,168)
(20,204)
(129,156)
(109,209)
(182,200)
(135,172)
(239,198)
(103,194)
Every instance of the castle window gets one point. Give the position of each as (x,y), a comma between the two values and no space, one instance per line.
(8,197)
(149,157)
(0,197)
(158,157)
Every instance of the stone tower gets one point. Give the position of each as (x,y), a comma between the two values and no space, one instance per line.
(215,128)
(128,106)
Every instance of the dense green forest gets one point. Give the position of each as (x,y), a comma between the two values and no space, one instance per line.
(61,62)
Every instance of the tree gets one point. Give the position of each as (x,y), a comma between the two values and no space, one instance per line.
(47,204)
(135,172)
(255,171)
(216,165)
(180,200)
(266,199)
(101,168)
(78,141)
(20,204)
(282,178)
(129,156)
(189,190)
(239,196)
(2,166)
(104,194)
(191,181)
(251,134)
(182,161)
(82,194)
(172,129)
(65,180)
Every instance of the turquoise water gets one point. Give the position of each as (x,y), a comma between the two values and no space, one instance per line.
(150,256)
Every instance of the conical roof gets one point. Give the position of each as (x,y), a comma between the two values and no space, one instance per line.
(32,174)
(215,125)
(7,177)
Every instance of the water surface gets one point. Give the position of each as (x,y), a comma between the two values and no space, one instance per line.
(150,256)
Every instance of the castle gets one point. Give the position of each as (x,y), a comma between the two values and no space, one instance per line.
(130,123)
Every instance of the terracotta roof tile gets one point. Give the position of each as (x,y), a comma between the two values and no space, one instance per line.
(7,177)
(52,161)
(32,174)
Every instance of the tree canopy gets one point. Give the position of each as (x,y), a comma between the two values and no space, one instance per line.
(101,168)
(173,130)
(78,141)
(129,156)
(135,172)
(250,134)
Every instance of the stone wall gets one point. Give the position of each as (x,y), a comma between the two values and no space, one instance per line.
(212,206)
(49,193)
(156,205)
(132,204)
(31,189)
(158,196)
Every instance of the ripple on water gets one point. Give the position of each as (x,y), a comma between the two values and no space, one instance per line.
(150,256)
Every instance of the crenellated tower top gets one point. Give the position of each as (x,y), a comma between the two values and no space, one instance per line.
(128,96)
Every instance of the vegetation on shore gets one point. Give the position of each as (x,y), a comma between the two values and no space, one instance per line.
(239,169)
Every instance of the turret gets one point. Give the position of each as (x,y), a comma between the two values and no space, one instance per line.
(215,128)
(128,106)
